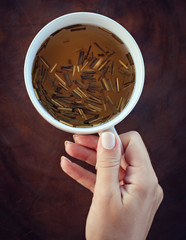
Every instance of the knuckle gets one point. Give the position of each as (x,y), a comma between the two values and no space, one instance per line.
(154,182)
(157,195)
(153,186)
(150,189)
(160,193)
(135,134)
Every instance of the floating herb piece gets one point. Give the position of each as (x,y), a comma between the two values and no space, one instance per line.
(119,104)
(81,57)
(111,54)
(89,72)
(77,93)
(80,84)
(92,102)
(62,85)
(128,84)
(117,38)
(104,71)
(84,66)
(105,30)
(74,70)
(44,76)
(65,109)
(93,62)
(53,68)
(82,113)
(81,92)
(56,103)
(123,64)
(97,45)
(110,85)
(67,67)
(94,107)
(101,54)
(89,79)
(67,79)
(95,98)
(78,29)
(44,61)
(72,26)
(86,57)
(91,119)
(124,71)
(104,84)
(97,120)
(130,59)
(36,94)
(123,103)
(94,86)
(110,100)
(60,79)
(66,123)
(105,106)
(117,84)
(112,68)
(103,64)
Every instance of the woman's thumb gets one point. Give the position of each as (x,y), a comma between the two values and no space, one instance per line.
(108,160)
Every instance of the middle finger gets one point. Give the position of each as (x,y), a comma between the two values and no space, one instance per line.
(89,141)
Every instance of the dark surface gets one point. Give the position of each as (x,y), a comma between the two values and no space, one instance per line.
(37,200)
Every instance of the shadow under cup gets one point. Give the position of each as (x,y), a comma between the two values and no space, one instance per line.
(86,19)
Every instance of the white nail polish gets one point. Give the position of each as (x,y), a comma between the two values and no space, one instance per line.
(108,140)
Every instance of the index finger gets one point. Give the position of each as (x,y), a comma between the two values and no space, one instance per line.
(89,141)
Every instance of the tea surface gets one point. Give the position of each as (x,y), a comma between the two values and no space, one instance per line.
(83,75)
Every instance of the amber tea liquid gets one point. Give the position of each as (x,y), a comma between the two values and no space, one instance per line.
(83,75)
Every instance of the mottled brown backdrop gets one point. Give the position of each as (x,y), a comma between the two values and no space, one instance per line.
(37,200)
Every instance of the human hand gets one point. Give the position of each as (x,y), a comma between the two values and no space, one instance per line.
(119,210)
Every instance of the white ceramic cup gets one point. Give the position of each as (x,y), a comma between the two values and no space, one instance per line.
(96,20)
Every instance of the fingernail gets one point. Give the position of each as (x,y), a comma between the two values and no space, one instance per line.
(66,142)
(75,136)
(108,140)
(64,158)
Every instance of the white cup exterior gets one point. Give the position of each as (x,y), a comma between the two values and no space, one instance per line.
(97,20)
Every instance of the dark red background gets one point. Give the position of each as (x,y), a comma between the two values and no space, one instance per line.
(37,200)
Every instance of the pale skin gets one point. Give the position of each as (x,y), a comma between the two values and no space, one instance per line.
(126,192)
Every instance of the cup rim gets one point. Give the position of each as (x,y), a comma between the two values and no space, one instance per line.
(121,31)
